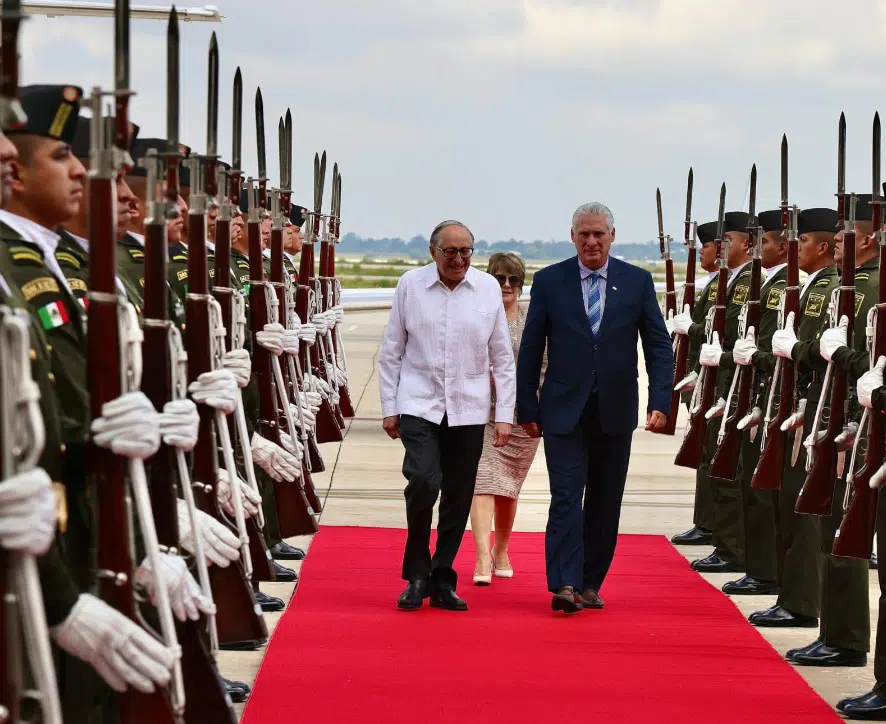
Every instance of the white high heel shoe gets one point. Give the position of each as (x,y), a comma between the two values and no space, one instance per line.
(503,572)
(482,580)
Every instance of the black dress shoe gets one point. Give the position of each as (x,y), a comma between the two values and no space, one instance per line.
(714,564)
(237,690)
(269,604)
(843,703)
(873,565)
(412,598)
(871,707)
(283,574)
(778,617)
(748,586)
(285,552)
(809,648)
(694,537)
(446,598)
(243,645)
(831,656)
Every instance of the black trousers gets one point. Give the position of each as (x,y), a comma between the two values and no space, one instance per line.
(439,461)
(580,540)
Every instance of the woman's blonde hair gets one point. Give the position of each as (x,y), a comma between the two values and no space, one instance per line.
(506,262)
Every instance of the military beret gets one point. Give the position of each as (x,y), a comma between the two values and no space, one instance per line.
(812,220)
(52,111)
(297,215)
(82,140)
(863,209)
(244,199)
(140,148)
(770,220)
(736,221)
(707,232)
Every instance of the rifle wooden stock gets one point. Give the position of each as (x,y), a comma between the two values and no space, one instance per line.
(201,679)
(769,473)
(104,372)
(817,494)
(223,293)
(690,453)
(238,616)
(293,513)
(725,462)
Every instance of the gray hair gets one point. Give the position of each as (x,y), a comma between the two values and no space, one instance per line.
(438,229)
(594,208)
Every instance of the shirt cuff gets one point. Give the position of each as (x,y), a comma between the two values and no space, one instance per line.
(504,413)
(389,408)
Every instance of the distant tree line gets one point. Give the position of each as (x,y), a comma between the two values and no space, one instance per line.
(417,248)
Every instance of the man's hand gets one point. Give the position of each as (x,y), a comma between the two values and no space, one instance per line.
(655,420)
(531,428)
(502,434)
(391,426)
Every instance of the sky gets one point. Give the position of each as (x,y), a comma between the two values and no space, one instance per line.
(507,114)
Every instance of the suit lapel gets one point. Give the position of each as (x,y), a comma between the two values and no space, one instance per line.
(609,310)
(576,304)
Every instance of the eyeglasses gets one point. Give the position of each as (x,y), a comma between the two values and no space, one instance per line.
(450,253)
(513,281)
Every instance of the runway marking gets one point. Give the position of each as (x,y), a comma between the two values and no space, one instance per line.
(352,328)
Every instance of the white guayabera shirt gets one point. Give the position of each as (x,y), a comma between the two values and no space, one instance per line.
(438,347)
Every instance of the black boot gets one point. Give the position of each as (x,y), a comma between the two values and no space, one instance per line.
(748,586)
(871,707)
(283,574)
(413,596)
(237,690)
(778,617)
(715,564)
(693,537)
(269,604)
(285,552)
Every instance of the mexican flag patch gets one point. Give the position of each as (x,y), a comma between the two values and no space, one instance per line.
(53,315)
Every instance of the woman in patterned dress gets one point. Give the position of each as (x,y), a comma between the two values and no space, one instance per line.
(502,470)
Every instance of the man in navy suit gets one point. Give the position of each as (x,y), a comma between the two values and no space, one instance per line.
(589,311)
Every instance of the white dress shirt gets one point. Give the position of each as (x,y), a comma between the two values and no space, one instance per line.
(585,273)
(438,346)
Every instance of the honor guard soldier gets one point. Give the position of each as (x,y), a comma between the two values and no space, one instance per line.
(799,598)
(759,506)
(703,514)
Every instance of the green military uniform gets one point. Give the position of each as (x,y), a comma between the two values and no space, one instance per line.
(73,260)
(760,506)
(800,535)
(177,271)
(289,265)
(240,269)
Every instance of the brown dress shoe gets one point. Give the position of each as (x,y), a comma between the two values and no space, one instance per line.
(566,601)
(591,599)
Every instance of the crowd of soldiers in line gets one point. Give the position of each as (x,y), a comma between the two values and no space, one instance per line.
(47,511)
(756,531)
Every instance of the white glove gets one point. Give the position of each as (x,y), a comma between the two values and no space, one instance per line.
(870,382)
(846,439)
(833,339)
(290,341)
(271,338)
(185,597)
(274,460)
(293,447)
(121,651)
(321,387)
(744,349)
(217,389)
(309,417)
(718,409)
(783,340)
(709,356)
(878,477)
(669,322)
(220,545)
(251,499)
(687,384)
(750,420)
(27,512)
(312,399)
(239,364)
(321,322)
(682,322)
(179,423)
(795,420)
(341,377)
(339,312)
(129,426)
(307,333)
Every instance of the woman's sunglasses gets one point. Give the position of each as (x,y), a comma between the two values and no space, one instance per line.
(513,281)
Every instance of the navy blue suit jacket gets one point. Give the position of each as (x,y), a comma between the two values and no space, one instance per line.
(578,361)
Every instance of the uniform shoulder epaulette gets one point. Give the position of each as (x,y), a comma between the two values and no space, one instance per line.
(180,257)
(822,283)
(242,264)
(136,254)
(863,277)
(67,258)
(26,254)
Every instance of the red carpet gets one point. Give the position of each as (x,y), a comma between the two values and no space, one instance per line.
(668,647)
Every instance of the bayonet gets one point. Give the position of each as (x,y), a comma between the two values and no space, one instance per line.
(236,161)
(721,213)
(172,97)
(752,197)
(784,170)
(661,241)
(212,101)
(121,81)
(841,156)
(688,217)
(260,143)
(875,165)
(281,147)
(288,136)
(319,182)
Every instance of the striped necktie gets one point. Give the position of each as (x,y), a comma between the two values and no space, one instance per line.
(594,304)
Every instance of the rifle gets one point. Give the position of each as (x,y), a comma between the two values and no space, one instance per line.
(855,537)
(687,298)
(330,290)
(769,473)
(328,429)
(690,453)
(113,367)
(724,464)
(238,617)
(201,679)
